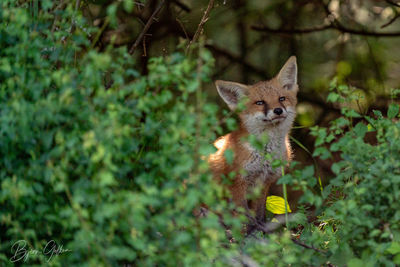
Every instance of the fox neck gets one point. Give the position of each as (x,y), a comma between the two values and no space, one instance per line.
(278,136)
(274,131)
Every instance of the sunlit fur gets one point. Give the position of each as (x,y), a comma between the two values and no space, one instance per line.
(257,120)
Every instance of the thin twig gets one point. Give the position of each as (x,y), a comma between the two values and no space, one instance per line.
(100,32)
(336,25)
(236,58)
(183,28)
(268,227)
(391,21)
(391,2)
(146,27)
(292,31)
(298,242)
(181,5)
(201,24)
(144,47)
(138,3)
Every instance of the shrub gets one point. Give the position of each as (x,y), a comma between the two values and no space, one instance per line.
(112,174)
(358,211)
(111,164)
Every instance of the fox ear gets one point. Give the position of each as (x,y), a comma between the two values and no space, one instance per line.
(287,76)
(231,92)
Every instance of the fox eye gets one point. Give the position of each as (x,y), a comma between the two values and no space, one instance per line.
(260,102)
(282,98)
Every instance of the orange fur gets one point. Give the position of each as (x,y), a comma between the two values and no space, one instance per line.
(261,116)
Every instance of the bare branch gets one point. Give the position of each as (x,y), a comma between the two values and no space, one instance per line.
(201,24)
(335,25)
(393,3)
(391,21)
(183,28)
(266,228)
(235,58)
(298,242)
(181,5)
(146,27)
(340,27)
(292,31)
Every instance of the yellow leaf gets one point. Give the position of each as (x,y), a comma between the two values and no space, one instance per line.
(276,205)
(274,220)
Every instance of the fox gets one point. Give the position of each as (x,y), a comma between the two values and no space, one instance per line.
(270,110)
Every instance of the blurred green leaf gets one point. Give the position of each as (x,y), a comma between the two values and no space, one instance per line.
(393,110)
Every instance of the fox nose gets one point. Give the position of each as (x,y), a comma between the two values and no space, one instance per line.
(278,111)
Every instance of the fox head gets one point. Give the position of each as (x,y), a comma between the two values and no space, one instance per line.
(270,104)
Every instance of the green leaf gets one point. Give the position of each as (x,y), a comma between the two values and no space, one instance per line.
(229,156)
(394,248)
(335,168)
(360,129)
(128,5)
(351,113)
(377,113)
(343,68)
(393,110)
(355,262)
(333,97)
(106,178)
(322,152)
(231,124)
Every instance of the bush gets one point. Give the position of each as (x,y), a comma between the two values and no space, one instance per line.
(111,165)
(108,173)
(358,211)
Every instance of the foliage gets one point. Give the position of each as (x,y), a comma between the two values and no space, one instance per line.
(358,211)
(111,164)
(109,173)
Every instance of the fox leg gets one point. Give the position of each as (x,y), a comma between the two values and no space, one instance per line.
(258,207)
(259,204)
(239,190)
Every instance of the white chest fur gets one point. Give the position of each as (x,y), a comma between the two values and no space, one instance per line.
(258,168)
